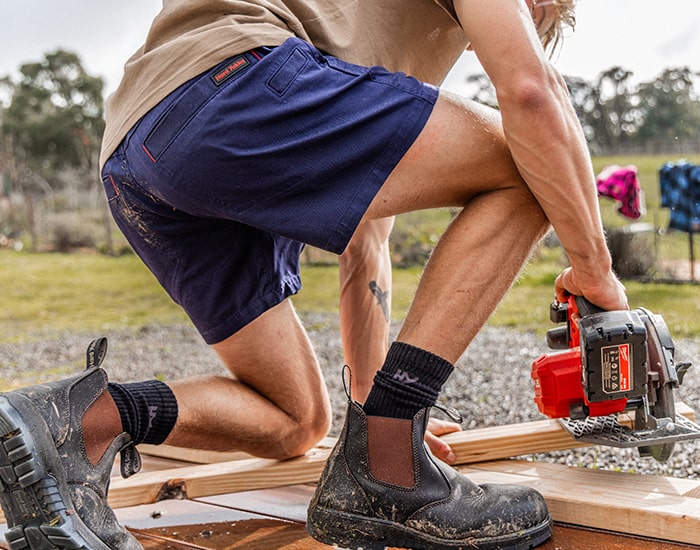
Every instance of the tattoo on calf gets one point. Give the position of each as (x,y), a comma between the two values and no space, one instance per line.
(382,299)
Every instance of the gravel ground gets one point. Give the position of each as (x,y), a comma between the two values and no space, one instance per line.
(490,387)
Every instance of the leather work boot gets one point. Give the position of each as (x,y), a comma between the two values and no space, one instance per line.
(53,484)
(382,487)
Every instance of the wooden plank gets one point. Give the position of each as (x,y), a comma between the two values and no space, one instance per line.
(479,445)
(570,537)
(243,474)
(485,444)
(274,533)
(541,436)
(255,473)
(201,456)
(256,534)
(216,479)
(194,456)
(635,504)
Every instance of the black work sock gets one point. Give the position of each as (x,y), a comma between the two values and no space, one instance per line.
(148,410)
(410,380)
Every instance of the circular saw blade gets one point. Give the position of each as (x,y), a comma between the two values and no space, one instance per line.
(662,378)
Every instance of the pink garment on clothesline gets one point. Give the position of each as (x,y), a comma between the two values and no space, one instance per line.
(622,185)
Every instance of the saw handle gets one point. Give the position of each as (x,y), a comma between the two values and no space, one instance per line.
(574,309)
(584,307)
(577,308)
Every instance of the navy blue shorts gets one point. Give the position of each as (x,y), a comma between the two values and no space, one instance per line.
(218,186)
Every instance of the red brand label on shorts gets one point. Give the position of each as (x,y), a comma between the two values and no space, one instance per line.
(225,72)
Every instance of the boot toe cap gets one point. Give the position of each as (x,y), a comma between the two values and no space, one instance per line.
(485,512)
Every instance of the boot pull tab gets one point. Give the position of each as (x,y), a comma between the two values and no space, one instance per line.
(452,413)
(347,381)
(130,462)
(96,353)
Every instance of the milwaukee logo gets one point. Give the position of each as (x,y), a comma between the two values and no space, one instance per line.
(230,68)
(404,377)
(616,363)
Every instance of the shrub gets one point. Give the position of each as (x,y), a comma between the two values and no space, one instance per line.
(70,230)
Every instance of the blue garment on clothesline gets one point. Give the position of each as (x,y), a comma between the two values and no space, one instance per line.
(680,192)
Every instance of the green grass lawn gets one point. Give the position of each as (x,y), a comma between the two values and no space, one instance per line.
(47,292)
(42,293)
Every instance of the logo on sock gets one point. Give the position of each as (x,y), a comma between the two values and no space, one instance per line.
(152,413)
(404,377)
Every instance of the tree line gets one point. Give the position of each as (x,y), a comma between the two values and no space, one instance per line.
(620,116)
(51,125)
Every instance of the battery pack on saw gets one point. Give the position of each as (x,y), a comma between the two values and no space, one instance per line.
(597,377)
(613,356)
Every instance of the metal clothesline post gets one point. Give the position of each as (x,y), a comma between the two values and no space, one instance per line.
(692,255)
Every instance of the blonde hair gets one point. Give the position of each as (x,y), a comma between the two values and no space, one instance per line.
(564,17)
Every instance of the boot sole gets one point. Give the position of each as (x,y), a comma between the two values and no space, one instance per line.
(33,492)
(355,532)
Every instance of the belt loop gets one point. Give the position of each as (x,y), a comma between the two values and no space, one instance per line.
(262,51)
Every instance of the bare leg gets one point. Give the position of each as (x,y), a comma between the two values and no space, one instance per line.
(365,310)
(460,159)
(276,404)
(365,302)
(379,479)
(494,235)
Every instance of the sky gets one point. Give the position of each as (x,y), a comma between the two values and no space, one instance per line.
(643,36)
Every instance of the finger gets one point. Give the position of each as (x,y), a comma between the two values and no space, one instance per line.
(562,284)
(440,449)
(442,427)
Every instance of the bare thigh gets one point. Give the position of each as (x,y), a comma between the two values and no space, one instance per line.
(460,153)
(274,355)
(274,404)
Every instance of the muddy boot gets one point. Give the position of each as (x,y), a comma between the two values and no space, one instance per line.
(53,483)
(382,487)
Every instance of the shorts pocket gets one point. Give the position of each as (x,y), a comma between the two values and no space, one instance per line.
(173,121)
(285,76)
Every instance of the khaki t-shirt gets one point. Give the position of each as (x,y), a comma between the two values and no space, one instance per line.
(421,38)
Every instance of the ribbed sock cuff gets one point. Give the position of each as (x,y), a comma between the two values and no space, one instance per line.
(410,380)
(148,409)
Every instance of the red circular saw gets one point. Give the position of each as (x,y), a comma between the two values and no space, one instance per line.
(609,363)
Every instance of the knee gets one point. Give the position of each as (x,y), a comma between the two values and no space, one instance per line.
(302,433)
